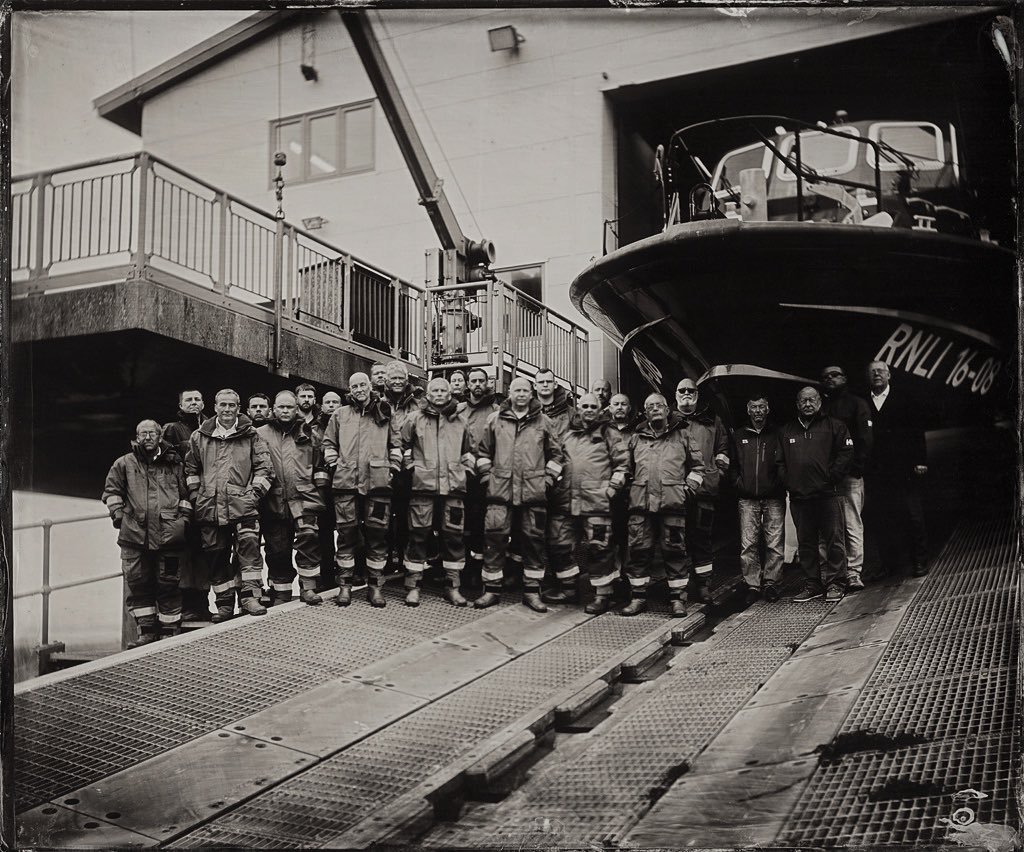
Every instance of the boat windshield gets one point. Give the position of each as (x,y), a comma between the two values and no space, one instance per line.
(821,152)
(919,141)
(727,172)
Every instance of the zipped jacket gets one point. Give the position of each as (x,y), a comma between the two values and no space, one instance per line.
(299,469)
(522,456)
(712,439)
(177,432)
(148,497)
(363,447)
(437,447)
(667,467)
(560,410)
(753,471)
(476,414)
(596,459)
(227,476)
(856,414)
(403,404)
(813,459)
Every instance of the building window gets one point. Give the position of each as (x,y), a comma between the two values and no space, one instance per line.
(526,279)
(324,144)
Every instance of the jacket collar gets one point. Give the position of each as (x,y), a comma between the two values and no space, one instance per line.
(532,411)
(193,421)
(486,401)
(449,411)
(164,451)
(675,421)
(560,403)
(576,423)
(242,428)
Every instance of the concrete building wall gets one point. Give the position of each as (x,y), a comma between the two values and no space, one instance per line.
(524,141)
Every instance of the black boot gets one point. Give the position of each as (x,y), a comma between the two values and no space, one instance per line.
(148,633)
(374,594)
(698,591)
(678,606)
(412,596)
(451,589)
(637,604)
(344,594)
(531,598)
(601,602)
(566,593)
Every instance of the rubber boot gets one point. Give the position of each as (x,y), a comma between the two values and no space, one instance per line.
(412,595)
(225,603)
(451,589)
(170,630)
(490,597)
(277,597)
(307,593)
(601,602)
(373,592)
(251,606)
(566,593)
(148,633)
(637,604)
(678,605)
(698,590)
(344,597)
(531,598)
(267,597)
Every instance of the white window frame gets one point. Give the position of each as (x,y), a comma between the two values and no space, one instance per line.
(874,134)
(304,120)
(785,146)
(716,176)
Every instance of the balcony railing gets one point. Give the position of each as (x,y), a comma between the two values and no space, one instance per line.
(138,216)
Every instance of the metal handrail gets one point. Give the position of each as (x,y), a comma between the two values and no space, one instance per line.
(47,588)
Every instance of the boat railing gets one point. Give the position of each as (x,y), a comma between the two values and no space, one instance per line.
(139,217)
(493,325)
(47,587)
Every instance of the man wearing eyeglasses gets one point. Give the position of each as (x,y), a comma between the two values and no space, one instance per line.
(854,412)
(148,502)
(668,470)
(710,436)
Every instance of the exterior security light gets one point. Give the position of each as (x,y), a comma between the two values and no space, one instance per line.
(504,38)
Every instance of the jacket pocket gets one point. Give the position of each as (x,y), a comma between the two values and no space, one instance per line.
(456,477)
(345,476)
(673,494)
(499,486)
(241,502)
(424,478)
(380,475)
(591,497)
(172,529)
(638,495)
(206,505)
(534,490)
(133,529)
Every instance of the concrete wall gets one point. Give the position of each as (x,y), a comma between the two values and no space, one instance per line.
(523,141)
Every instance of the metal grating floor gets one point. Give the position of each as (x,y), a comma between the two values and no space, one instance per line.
(327,800)
(76,731)
(599,793)
(945,688)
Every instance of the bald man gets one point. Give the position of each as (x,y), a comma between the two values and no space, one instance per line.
(365,453)
(436,447)
(147,499)
(519,458)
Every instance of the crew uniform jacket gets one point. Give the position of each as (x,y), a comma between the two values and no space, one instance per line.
(437,447)
(754,472)
(813,459)
(856,414)
(227,475)
(665,467)
(177,432)
(299,469)
(403,405)
(560,410)
(147,498)
(596,460)
(475,414)
(521,455)
(362,447)
(711,439)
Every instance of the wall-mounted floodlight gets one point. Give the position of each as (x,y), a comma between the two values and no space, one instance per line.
(504,38)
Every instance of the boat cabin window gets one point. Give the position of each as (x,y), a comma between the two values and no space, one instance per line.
(919,140)
(727,172)
(825,154)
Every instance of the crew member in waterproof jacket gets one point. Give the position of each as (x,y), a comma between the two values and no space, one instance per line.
(290,513)
(668,468)
(815,452)
(711,437)
(519,458)
(365,453)
(148,502)
(228,471)
(595,469)
(762,501)
(437,448)
(404,399)
(480,404)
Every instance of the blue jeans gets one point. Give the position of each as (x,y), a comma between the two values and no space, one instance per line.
(761,516)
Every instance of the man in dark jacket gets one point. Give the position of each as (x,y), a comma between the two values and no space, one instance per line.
(624,421)
(148,502)
(228,471)
(194,569)
(595,469)
(895,474)
(519,458)
(404,399)
(668,469)
(712,439)
(366,454)
(437,449)
(478,406)
(815,452)
(329,403)
(856,414)
(290,512)
(762,501)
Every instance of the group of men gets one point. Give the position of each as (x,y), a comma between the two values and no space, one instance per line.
(522,489)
